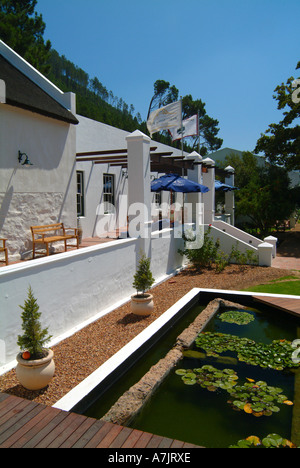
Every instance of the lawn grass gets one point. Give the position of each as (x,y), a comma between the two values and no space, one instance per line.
(279,286)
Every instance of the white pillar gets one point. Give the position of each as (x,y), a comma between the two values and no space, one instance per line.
(229,196)
(273,241)
(265,254)
(209,197)
(139,189)
(195,198)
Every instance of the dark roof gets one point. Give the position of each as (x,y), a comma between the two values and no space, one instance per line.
(24,93)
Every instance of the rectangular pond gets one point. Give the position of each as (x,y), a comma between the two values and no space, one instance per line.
(197,415)
(191,412)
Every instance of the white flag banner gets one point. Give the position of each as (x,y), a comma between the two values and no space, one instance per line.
(189,128)
(165,118)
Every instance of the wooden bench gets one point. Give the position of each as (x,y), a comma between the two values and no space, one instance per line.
(3,248)
(50,233)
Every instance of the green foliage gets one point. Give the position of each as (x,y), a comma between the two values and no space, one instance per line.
(209,254)
(276,355)
(270,441)
(237,317)
(34,337)
(93,99)
(256,398)
(143,278)
(249,257)
(209,377)
(264,196)
(22,29)
(286,287)
(205,255)
(280,143)
(208,128)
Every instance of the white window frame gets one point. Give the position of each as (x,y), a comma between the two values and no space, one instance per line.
(80,206)
(108,192)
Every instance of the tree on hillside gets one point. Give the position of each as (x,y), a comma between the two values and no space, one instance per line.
(264,195)
(163,95)
(207,139)
(22,29)
(281,142)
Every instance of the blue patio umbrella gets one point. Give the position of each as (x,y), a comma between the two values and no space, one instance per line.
(224,187)
(176,183)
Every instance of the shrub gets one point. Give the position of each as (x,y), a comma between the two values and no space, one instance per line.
(210,254)
(143,278)
(34,337)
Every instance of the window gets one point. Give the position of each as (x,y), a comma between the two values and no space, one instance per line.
(80,193)
(157,199)
(172,198)
(108,192)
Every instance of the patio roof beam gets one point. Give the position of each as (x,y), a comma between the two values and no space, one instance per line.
(101,158)
(115,162)
(108,152)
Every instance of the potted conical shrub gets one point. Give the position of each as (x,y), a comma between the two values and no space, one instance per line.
(142,302)
(35,364)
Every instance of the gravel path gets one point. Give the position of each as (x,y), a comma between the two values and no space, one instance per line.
(80,355)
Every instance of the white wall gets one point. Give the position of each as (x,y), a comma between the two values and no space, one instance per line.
(227,241)
(165,258)
(39,194)
(76,287)
(97,136)
(93,194)
(238,233)
(70,288)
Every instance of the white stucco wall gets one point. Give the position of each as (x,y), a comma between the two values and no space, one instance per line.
(77,287)
(70,288)
(97,136)
(165,258)
(93,195)
(39,194)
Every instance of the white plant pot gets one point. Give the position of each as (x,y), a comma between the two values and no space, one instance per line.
(142,305)
(35,374)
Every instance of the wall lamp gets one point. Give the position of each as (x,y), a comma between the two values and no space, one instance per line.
(24,160)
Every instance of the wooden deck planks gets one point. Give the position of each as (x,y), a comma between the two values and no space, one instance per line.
(26,424)
(287,304)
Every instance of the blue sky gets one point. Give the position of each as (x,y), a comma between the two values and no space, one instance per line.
(229,53)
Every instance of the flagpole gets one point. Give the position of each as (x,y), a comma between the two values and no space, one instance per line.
(198,133)
(181,128)
(182,170)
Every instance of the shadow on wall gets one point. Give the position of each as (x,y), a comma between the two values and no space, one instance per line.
(5,204)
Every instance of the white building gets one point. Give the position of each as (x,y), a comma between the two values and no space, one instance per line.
(49,160)
(37,125)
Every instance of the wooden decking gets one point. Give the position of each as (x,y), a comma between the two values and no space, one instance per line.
(26,424)
(287,304)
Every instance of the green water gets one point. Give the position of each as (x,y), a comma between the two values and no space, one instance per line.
(142,366)
(193,414)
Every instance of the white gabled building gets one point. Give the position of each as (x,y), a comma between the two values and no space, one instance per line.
(37,125)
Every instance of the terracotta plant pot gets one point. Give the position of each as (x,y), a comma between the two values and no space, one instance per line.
(142,305)
(35,374)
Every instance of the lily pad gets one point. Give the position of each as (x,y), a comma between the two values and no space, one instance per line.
(276,355)
(237,317)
